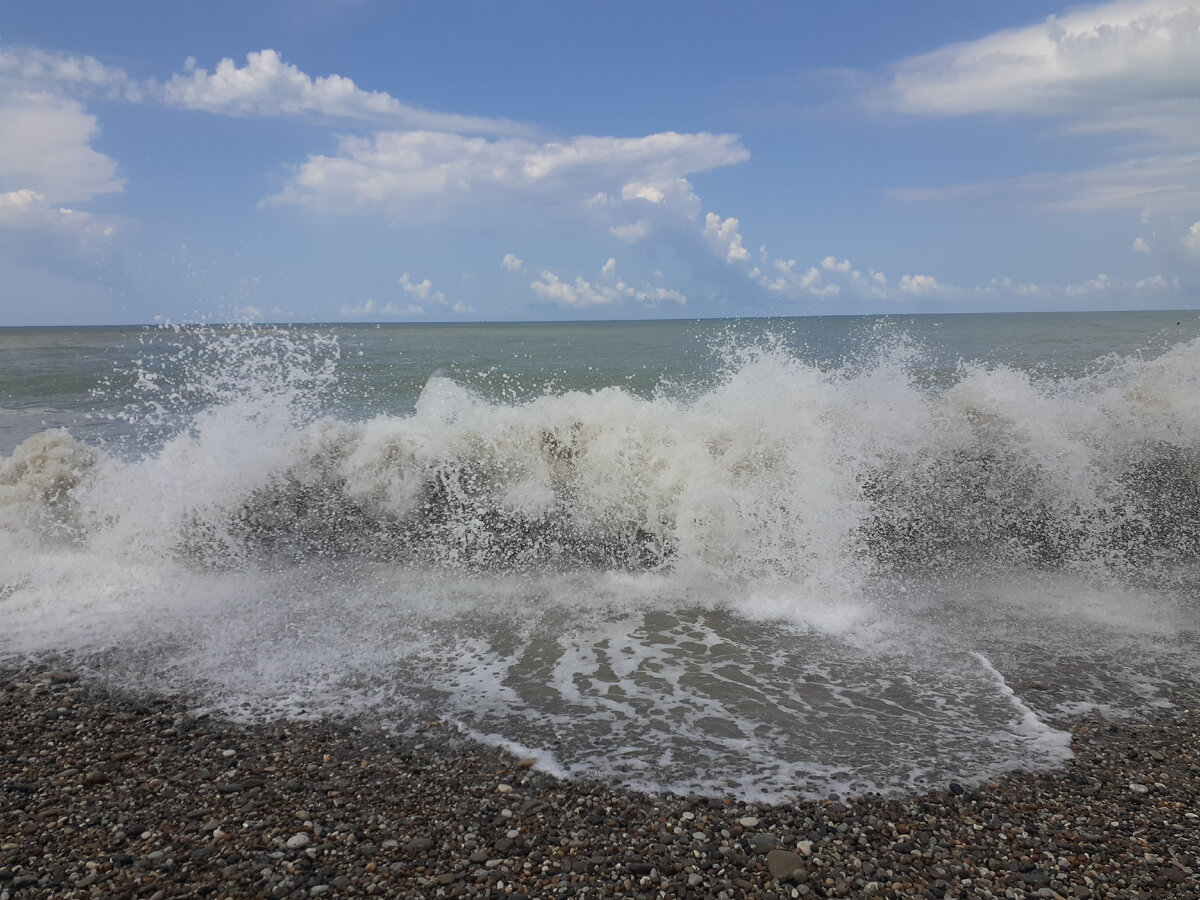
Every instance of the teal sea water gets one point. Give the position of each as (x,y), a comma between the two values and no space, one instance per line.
(763,557)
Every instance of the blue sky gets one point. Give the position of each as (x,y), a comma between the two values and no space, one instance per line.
(443,161)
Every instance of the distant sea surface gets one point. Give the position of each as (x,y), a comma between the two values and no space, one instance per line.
(767,557)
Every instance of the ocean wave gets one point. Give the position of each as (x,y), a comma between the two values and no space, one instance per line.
(780,469)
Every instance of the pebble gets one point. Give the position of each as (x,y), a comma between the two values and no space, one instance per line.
(340,810)
(782,863)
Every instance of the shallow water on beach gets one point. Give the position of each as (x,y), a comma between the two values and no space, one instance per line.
(770,558)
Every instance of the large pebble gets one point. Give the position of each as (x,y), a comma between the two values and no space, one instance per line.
(782,863)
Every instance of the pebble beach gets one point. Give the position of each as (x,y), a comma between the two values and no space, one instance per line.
(105,795)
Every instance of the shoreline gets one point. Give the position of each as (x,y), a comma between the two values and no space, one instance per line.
(111,795)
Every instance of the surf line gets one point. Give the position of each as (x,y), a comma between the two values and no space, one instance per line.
(1054,739)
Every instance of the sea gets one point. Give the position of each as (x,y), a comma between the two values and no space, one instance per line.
(766,558)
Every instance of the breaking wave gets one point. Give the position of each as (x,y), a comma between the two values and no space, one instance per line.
(779,469)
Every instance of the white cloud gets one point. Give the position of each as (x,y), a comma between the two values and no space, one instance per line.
(1122,52)
(579,295)
(364,310)
(1099,284)
(1152,183)
(724,238)
(1154,283)
(46,153)
(1140,245)
(45,146)
(1079,294)
(29,210)
(267,86)
(370,309)
(789,281)
(607,290)
(408,172)
(32,70)
(1191,240)
(249,314)
(631,233)
(512,262)
(1126,66)
(422,290)
(919,284)
(463,308)
(829,278)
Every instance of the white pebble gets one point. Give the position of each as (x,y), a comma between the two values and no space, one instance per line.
(298,840)
(504,788)
(748,822)
(228,753)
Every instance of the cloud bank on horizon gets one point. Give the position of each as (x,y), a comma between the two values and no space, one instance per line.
(454,214)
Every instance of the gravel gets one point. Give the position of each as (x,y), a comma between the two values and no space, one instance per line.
(115,796)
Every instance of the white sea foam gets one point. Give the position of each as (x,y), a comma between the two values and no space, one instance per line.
(792,581)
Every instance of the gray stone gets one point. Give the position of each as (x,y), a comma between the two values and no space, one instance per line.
(763,843)
(782,863)
(419,845)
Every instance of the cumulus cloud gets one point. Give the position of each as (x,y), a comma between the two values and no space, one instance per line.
(725,239)
(422,290)
(267,86)
(31,70)
(47,158)
(829,278)
(512,262)
(27,209)
(249,314)
(1127,51)
(608,289)
(632,232)
(46,147)
(1082,292)
(49,166)
(919,284)
(1154,283)
(370,309)
(1140,245)
(1093,286)
(789,280)
(1191,240)
(402,172)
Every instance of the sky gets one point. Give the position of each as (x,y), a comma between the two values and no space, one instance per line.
(363,160)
